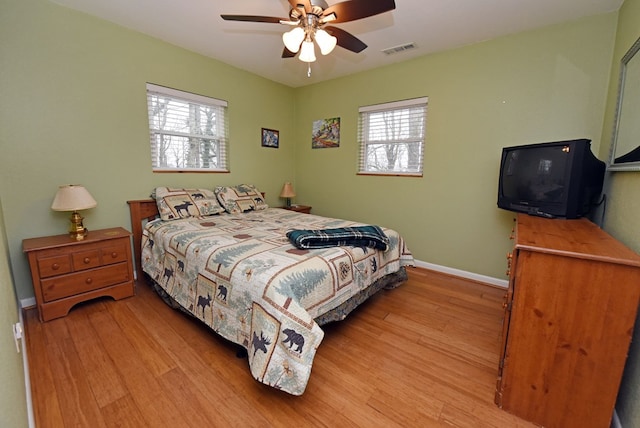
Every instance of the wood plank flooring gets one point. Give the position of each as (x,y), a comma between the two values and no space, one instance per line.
(423,355)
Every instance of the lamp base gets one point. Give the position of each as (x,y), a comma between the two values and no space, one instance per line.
(288,202)
(77,231)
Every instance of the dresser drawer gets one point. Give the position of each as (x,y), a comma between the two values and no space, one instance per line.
(54,265)
(80,282)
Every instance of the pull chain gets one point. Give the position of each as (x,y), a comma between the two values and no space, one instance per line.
(309,70)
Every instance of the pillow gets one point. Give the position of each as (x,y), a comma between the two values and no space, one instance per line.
(176,203)
(240,198)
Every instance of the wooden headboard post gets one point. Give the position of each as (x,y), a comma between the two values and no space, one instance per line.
(140,210)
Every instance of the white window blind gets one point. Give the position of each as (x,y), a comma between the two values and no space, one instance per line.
(188,132)
(391,137)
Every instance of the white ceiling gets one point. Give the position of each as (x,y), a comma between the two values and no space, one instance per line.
(433,25)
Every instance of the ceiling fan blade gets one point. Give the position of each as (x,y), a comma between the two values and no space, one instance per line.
(352,10)
(346,39)
(286,53)
(306,4)
(253,18)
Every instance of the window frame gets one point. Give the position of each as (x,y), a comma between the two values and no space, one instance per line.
(220,140)
(365,114)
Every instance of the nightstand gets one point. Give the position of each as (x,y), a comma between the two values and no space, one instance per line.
(66,272)
(305,209)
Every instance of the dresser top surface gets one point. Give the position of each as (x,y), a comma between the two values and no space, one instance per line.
(573,238)
(56,241)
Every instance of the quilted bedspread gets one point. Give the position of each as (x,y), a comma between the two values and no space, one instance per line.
(240,275)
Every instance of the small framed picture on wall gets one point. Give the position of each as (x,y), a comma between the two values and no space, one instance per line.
(326,133)
(270,138)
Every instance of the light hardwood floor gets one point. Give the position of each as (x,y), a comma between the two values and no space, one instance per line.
(424,354)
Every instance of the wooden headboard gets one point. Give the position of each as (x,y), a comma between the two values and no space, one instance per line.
(140,210)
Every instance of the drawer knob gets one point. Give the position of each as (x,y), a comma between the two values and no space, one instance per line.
(88,280)
(55,266)
(86,260)
(114,255)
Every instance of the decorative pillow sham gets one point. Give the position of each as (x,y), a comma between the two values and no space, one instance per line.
(176,203)
(240,198)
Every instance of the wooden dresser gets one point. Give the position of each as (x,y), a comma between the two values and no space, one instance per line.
(65,272)
(569,315)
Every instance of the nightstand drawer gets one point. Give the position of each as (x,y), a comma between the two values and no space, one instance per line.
(115,253)
(75,283)
(56,265)
(86,259)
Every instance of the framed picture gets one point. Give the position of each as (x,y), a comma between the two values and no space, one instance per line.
(270,138)
(326,133)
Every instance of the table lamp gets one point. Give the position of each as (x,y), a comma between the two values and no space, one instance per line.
(288,193)
(73,198)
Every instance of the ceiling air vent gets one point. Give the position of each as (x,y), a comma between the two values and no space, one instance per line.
(400,48)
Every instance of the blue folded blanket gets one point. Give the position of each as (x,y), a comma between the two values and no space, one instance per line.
(356,236)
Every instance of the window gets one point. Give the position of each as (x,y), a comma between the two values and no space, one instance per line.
(188,132)
(391,137)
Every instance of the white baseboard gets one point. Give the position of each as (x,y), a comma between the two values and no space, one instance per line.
(25,367)
(502,283)
(28,302)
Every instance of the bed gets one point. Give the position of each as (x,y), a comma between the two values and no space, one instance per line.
(224,257)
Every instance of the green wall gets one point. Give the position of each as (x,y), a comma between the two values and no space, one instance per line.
(531,87)
(623,208)
(73,111)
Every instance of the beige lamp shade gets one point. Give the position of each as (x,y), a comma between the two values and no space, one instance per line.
(72,197)
(287,191)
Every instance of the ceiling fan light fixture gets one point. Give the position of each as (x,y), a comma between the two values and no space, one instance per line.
(325,41)
(307,52)
(293,38)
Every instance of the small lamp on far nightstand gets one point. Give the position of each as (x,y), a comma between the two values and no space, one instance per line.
(288,193)
(74,198)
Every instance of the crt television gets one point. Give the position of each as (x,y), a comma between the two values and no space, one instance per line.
(556,179)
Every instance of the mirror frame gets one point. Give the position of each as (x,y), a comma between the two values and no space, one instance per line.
(622,166)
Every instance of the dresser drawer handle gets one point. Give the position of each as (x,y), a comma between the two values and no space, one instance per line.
(86,260)
(114,255)
(88,280)
(55,266)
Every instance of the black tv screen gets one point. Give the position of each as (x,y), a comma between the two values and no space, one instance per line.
(555,179)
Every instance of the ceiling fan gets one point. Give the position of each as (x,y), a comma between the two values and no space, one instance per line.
(309,19)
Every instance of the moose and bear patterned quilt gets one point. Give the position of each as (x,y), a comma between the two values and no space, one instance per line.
(240,275)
